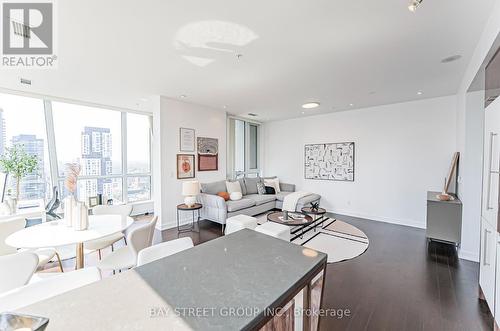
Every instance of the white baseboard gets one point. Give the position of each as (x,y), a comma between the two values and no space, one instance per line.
(467,255)
(411,223)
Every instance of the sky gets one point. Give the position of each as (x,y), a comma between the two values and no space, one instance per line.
(25,115)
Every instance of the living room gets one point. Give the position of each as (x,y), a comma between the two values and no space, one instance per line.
(263,165)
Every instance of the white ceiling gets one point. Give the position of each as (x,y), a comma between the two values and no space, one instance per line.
(364,52)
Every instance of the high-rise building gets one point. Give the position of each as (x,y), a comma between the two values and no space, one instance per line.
(3,134)
(33,186)
(96,149)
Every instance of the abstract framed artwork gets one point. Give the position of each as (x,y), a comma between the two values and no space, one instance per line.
(333,161)
(208,154)
(186,140)
(185,166)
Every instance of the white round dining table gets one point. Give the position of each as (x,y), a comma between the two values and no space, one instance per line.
(57,233)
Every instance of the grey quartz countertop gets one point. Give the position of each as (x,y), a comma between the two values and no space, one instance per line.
(224,284)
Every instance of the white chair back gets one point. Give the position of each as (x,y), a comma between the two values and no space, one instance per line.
(124,210)
(7,228)
(16,270)
(142,236)
(162,250)
(47,288)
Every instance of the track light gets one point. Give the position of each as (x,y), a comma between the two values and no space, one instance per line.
(414,5)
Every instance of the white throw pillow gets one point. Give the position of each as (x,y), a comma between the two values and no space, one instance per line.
(235,196)
(274,183)
(233,187)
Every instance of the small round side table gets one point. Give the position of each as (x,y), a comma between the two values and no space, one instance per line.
(182,207)
(316,213)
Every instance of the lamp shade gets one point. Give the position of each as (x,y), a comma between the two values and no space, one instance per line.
(190,188)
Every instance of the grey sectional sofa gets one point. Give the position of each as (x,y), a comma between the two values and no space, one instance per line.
(218,210)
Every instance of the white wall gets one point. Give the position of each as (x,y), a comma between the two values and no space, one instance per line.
(469,140)
(170,115)
(401,152)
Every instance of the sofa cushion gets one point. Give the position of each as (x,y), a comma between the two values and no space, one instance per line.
(214,187)
(261,199)
(280,196)
(251,185)
(239,204)
(243,186)
(233,187)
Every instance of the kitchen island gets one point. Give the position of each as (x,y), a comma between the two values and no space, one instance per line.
(242,281)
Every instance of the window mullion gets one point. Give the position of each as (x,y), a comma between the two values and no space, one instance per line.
(124,158)
(51,143)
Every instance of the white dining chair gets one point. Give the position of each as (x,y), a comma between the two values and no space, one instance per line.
(16,270)
(47,288)
(11,225)
(126,257)
(101,243)
(162,250)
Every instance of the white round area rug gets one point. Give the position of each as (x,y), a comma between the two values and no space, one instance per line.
(341,241)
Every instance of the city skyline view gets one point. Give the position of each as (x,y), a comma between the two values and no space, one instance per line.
(79,138)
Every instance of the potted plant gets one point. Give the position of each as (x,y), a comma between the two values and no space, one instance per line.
(17,163)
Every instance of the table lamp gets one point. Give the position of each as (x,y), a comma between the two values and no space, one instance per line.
(190,190)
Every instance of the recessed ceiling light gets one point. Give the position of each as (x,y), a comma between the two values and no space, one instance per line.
(452,58)
(225,106)
(420,92)
(351,104)
(414,5)
(25,81)
(310,105)
(183,96)
(302,112)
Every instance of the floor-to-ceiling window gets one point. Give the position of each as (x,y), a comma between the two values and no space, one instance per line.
(22,123)
(112,147)
(243,160)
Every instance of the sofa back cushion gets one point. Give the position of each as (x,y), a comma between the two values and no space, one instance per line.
(251,185)
(243,186)
(214,187)
(233,187)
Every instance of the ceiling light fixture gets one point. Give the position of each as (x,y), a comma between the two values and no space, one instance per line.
(414,5)
(183,96)
(310,105)
(225,106)
(420,93)
(351,104)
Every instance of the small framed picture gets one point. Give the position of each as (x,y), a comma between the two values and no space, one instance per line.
(186,140)
(208,162)
(93,201)
(185,166)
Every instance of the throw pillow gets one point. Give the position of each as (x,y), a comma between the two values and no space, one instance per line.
(233,187)
(261,188)
(235,196)
(270,190)
(224,195)
(274,183)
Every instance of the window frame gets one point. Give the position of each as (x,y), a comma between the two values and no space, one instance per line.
(249,171)
(56,178)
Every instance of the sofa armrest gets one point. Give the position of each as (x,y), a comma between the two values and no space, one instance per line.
(211,200)
(287,187)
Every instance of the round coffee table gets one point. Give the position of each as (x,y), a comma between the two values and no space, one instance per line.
(277,217)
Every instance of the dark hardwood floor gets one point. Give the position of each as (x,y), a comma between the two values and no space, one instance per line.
(399,283)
